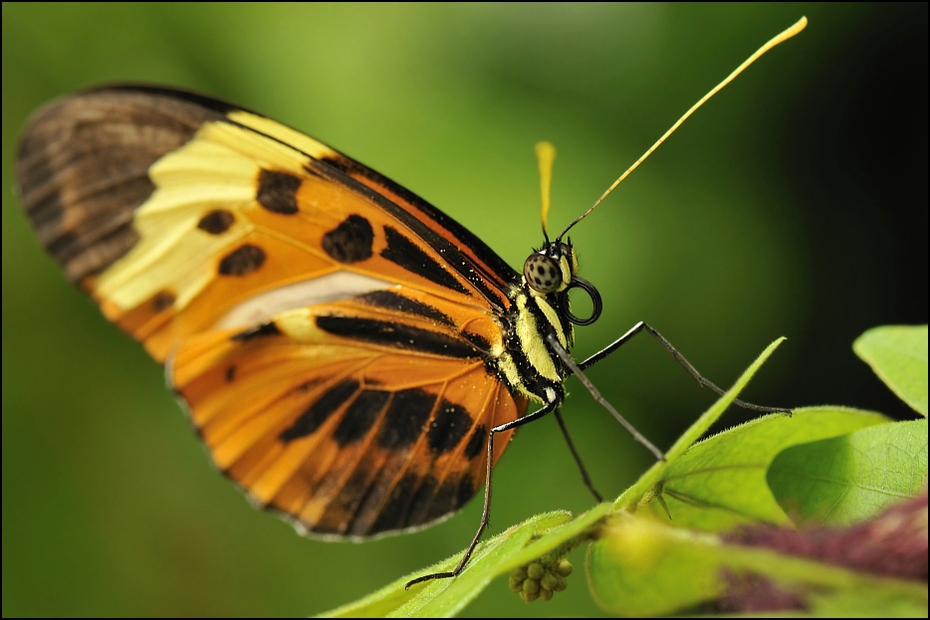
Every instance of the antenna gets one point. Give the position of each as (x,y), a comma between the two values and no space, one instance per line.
(780,38)
(545,153)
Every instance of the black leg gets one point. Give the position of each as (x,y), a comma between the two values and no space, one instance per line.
(571,446)
(570,363)
(678,357)
(486,513)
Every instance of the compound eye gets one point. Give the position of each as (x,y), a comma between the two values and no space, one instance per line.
(542,273)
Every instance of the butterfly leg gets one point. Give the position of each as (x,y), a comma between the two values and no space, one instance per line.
(639,327)
(486,513)
(567,359)
(577,457)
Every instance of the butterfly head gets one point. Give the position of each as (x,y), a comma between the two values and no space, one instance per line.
(550,269)
(553,270)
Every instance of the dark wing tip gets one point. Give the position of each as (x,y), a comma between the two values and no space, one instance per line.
(83,160)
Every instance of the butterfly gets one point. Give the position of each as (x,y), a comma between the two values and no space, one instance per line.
(351,356)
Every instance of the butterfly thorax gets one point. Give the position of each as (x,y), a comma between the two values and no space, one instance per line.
(540,307)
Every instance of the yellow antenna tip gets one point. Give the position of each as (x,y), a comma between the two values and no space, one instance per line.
(545,153)
(781,37)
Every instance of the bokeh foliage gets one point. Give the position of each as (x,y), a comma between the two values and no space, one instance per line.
(794,204)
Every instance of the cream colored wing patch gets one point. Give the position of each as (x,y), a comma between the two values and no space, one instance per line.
(180,214)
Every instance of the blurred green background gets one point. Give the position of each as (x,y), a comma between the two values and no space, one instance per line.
(794,204)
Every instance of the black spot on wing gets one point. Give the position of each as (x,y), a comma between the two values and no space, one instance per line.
(476,442)
(242,261)
(395,301)
(463,236)
(350,242)
(356,487)
(277,191)
(451,495)
(464,489)
(360,416)
(163,300)
(216,222)
(479,342)
(396,335)
(405,418)
(231,373)
(448,427)
(415,500)
(492,284)
(265,329)
(422,501)
(318,412)
(344,508)
(405,253)
(393,514)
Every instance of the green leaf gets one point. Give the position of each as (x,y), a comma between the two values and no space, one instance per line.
(853,477)
(648,561)
(395,599)
(650,481)
(496,556)
(641,567)
(721,481)
(898,355)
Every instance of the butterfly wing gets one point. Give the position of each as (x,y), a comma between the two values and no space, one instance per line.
(351,424)
(273,274)
(159,202)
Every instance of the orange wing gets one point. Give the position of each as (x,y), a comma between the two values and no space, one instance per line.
(180,213)
(343,417)
(333,335)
